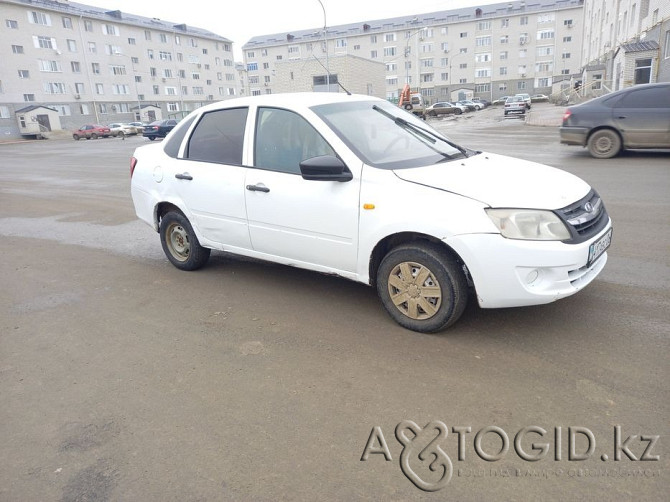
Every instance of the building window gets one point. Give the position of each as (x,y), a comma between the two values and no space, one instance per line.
(502,87)
(165,56)
(504,39)
(521,85)
(92,48)
(39,18)
(504,23)
(666,45)
(389,37)
(95,68)
(99,89)
(523,20)
(503,55)
(79,88)
(567,39)
(17,49)
(67,23)
(483,73)
(72,45)
(483,87)
(642,71)
(503,70)
(75,66)
(389,51)
(483,25)
(88,25)
(565,55)
(50,66)
(464,34)
(163,38)
(117,69)
(110,29)
(10,23)
(545,34)
(28,97)
(24,74)
(147,35)
(373,55)
(44,42)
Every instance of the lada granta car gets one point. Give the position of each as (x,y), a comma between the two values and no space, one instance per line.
(354,186)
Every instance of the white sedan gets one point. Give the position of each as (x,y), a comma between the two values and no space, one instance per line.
(354,186)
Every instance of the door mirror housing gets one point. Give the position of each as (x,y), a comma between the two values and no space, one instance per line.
(325,168)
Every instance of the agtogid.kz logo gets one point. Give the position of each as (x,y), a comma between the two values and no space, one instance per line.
(426,464)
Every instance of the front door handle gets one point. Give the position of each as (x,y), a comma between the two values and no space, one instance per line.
(183,176)
(258,188)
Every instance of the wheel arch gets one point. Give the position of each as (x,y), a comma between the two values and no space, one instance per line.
(602,128)
(394,240)
(161,209)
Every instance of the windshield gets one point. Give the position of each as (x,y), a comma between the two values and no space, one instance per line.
(386,136)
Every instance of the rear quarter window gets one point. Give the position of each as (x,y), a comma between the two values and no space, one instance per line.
(171,146)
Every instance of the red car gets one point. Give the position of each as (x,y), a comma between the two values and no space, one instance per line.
(92,131)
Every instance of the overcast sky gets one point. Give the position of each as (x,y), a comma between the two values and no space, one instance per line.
(239,21)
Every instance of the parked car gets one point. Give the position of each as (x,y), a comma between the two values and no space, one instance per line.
(354,186)
(526,98)
(121,130)
(501,100)
(635,117)
(537,98)
(516,105)
(158,129)
(139,126)
(443,108)
(92,131)
(483,101)
(472,106)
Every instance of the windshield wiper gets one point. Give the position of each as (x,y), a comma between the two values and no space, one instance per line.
(426,134)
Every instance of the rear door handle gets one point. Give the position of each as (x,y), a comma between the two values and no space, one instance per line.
(183,176)
(258,188)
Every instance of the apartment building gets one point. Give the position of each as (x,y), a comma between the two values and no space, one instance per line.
(100,66)
(487,51)
(626,42)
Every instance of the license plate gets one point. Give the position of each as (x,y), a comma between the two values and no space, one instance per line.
(599,247)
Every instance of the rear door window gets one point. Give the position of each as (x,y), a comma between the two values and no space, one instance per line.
(219,137)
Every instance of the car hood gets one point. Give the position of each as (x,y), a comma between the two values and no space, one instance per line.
(501,181)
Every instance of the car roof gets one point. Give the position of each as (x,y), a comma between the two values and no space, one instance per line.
(291,100)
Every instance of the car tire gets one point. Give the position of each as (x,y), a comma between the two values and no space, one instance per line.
(408,107)
(94,136)
(505,112)
(76,137)
(434,304)
(152,138)
(121,135)
(604,144)
(458,111)
(180,244)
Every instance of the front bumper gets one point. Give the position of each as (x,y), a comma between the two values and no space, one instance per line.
(514,273)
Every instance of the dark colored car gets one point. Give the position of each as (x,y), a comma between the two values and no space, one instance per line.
(158,129)
(92,131)
(443,108)
(633,118)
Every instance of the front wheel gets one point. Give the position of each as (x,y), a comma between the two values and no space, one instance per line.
(180,243)
(604,144)
(152,138)
(94,136)
(76,137)
(421,287)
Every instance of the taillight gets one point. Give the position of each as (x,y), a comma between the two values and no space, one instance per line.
(566,115)
(133,163)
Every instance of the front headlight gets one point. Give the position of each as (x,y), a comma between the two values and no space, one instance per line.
(529,224)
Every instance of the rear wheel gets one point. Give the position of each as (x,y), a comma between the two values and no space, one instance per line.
(121,135)
(458,111)
(76,137)
(604,144)
(94,136)
(421,287)
(180,244)
(152,138)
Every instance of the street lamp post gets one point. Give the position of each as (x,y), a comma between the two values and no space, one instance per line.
(325,41)
(407,52)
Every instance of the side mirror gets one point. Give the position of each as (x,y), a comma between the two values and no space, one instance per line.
(325,168)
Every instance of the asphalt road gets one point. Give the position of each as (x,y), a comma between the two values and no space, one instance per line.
(123,378)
